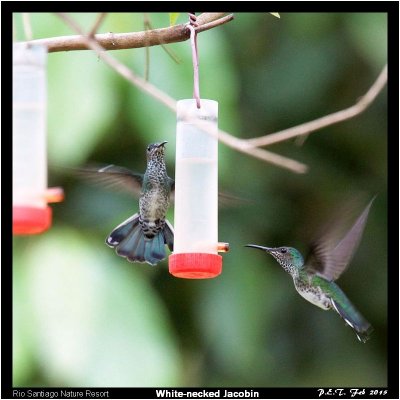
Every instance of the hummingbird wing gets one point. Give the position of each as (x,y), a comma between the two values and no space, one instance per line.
(116,177)
(330,260)
(113,176)
(345,249)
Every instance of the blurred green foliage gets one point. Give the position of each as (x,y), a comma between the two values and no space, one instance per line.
(84,317)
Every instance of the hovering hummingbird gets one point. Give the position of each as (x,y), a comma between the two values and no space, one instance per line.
(143,236)
(314,278)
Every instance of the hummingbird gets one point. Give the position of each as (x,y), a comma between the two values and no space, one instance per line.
(143,236)
(314,278)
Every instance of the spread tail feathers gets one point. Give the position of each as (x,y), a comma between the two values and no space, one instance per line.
(352,317)
(129,241)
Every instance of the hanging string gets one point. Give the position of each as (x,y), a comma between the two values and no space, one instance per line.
(193,40)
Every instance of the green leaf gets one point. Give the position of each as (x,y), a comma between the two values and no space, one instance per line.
(172,18)
(275,15)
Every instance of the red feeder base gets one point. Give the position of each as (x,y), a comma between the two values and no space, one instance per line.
(31,220)
(195,265)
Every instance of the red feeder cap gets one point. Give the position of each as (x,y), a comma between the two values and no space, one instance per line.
(31,220)
(195,265)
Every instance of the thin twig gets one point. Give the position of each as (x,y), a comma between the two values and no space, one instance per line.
(213,24)
(27,26)
(133,40)
(148,88)
(206,18)
(97,23)
(146,23)
(308,127)
(262,154)
(173,56)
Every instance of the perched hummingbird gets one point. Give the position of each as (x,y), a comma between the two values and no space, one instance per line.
(314,278)
(143,236)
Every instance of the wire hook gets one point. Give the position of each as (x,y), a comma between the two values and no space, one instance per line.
(192,25)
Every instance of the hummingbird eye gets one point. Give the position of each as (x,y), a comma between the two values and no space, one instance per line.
(283,250)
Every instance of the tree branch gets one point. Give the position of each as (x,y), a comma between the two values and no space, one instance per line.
(97,24)
(262,154)
(148,88)
(133,40)
(308,127)
(100,43)
(247,146)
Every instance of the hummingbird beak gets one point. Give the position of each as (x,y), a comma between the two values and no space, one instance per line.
(162,144)
(267,249)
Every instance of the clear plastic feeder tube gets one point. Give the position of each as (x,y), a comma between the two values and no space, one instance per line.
(196,177)
(30,211)
(196,191)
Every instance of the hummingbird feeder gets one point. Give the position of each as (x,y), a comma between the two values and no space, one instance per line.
(31,214)
(196,243)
